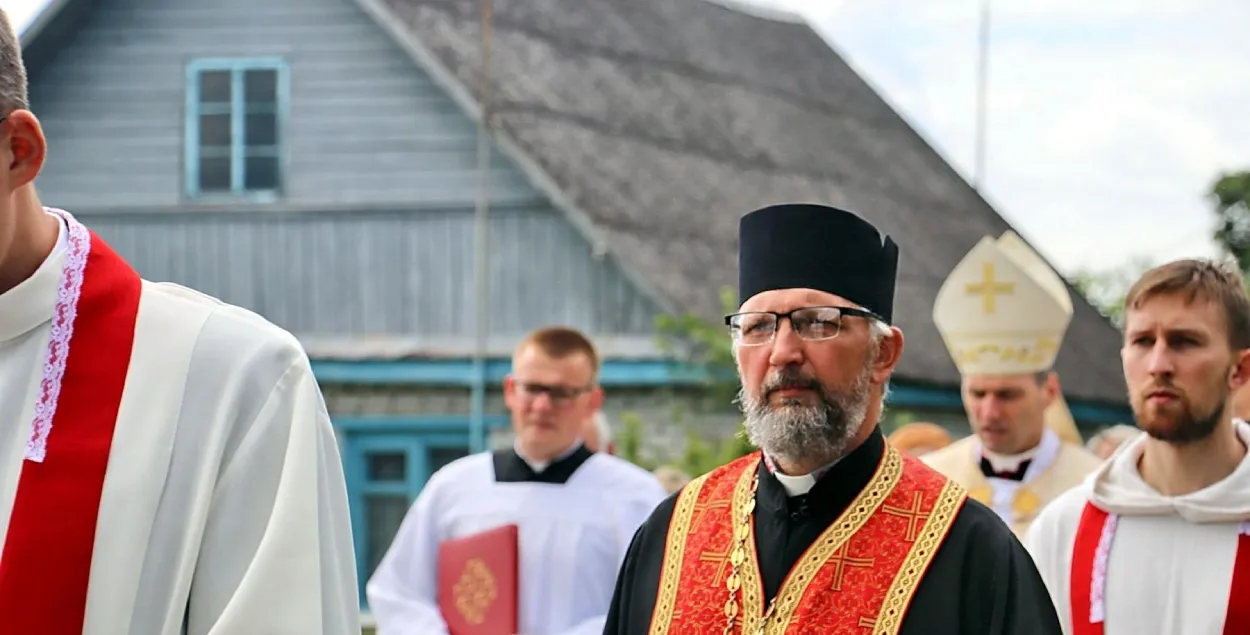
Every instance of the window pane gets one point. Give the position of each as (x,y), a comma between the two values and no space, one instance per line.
(384,513)
(260,86)
(214,130)
(215,87)
(214,174)
(261,129)
(388,466)
(261,173)
(440,457)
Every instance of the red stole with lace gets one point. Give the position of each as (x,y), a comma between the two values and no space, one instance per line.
(46,562)
(1090,552)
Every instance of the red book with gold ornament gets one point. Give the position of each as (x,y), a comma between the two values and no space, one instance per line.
(477,582)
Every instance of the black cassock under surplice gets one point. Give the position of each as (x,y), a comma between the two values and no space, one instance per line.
(980,582)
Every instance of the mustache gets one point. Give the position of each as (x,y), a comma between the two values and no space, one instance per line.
(1164,387)
(789,379)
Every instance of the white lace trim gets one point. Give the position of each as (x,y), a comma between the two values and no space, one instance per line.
(63,316)
(1098,577)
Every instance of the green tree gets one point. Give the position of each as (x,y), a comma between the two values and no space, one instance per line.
(1105,289)
(704,347)
(1230,199)
(629,441)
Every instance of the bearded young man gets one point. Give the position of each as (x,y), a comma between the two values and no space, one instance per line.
(167,464)
(1156,541)
(826,529)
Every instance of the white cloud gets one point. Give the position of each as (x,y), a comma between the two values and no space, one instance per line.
(1107,123)
(21,12)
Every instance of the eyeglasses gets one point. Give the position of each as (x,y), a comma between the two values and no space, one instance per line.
(559,395)
(813,323)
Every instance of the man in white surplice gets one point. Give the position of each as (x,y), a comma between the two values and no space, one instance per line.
(576,510)
(1155,540)
(167,464)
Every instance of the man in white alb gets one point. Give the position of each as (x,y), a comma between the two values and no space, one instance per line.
(1156,540)
(1003,313)
(166,462)
(576,510)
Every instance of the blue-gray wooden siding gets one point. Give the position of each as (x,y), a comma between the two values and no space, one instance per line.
(349,273)
(366,126)
(368,132)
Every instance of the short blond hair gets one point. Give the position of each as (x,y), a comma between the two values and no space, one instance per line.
(561,341)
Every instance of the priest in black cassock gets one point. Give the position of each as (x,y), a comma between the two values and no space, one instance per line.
(827,529)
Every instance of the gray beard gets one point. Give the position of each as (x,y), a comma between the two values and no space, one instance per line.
(796,432)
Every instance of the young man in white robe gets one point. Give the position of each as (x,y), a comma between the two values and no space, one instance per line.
(166,461)
(1025,449)
(576,510)
(1156,540)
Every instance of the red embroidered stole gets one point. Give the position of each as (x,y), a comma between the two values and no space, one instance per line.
(1090,552)
(860,573)
(46,562)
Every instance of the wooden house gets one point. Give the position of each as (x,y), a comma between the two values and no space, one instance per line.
(319,162)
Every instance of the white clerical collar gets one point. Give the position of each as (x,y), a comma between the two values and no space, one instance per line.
(31,303)
(797,485)
(539,466)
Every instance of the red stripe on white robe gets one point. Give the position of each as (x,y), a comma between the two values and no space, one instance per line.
(1088,581)
(46,563)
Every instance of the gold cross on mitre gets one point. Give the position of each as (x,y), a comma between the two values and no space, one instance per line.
(989,288)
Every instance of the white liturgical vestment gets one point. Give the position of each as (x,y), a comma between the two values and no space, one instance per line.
(219,506)
(574,530)
(1145,562)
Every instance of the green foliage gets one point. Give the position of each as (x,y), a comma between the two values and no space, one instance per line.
(629,441)
(705,346)
(895,419)
(1106,289)
(1230,200)
(698,457)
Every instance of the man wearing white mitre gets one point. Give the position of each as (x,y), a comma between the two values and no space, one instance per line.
(1003,313)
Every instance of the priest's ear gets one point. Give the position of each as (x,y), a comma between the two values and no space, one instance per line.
(24,148)
(888,343)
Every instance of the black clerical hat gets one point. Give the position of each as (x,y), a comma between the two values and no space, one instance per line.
(817,247)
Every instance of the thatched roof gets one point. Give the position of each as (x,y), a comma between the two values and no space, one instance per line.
(663,121)
(655,124)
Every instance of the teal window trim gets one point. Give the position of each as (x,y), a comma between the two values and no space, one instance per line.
(414,438)
(238,111)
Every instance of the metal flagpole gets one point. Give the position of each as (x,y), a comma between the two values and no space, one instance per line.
(481,246)
(978,181)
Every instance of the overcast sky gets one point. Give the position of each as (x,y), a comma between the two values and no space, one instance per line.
(1108,121)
